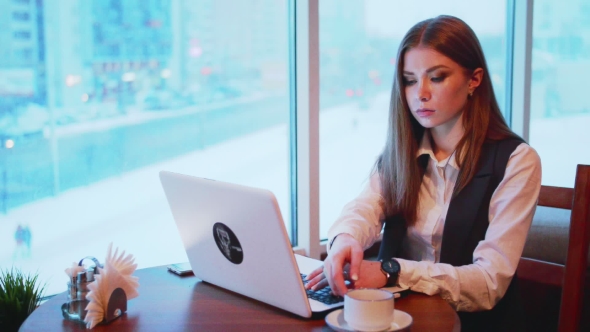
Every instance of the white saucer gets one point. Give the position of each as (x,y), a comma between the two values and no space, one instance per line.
(401,320)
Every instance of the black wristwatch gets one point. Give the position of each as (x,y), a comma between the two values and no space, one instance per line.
(391,268)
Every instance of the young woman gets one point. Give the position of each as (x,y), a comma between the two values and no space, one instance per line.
(454,189)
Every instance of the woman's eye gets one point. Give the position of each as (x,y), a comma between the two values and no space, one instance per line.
(409,82)
(438,79)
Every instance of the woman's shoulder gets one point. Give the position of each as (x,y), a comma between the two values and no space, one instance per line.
(524,150)
(519,156)
(516,146)
(525,159)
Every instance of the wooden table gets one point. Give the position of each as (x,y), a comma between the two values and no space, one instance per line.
(168,302)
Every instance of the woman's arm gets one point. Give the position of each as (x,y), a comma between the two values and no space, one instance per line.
(359,227)
(362,217)
(479,286)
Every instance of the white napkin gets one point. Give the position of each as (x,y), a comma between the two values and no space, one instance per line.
(117,273)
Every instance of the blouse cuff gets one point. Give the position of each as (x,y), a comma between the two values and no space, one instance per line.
(406,270)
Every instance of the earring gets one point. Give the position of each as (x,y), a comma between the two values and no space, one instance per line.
(470,94)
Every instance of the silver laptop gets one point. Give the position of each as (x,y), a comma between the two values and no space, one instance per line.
(235,238)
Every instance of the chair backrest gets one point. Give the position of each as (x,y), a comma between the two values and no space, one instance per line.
(569,280)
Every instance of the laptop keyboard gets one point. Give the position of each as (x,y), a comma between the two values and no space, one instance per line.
(323,295)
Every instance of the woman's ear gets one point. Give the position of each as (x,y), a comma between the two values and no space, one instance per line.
(475,79)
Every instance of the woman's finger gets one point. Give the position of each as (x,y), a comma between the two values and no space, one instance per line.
(314,281)
(356,258)
(315,273)
(321,284)
(333,271)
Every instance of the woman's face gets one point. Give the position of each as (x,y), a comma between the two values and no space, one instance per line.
(436,87)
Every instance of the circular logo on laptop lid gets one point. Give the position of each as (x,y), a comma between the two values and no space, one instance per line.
(228,243)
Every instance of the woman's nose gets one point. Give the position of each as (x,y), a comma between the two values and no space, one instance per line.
(423,92)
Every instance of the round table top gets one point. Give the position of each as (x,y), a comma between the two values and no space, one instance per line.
(167,302)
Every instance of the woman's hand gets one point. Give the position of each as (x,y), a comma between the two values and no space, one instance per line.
(345,251)
(345,262)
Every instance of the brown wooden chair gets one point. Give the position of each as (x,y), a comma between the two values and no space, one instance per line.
(544,284)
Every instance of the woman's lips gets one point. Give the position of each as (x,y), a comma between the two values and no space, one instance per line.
(424,112)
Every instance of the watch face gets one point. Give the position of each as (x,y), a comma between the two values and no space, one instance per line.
(390,266)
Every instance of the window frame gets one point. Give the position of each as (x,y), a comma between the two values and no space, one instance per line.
(307,128)
(519,56)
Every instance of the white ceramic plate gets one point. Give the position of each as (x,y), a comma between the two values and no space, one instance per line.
(401,320)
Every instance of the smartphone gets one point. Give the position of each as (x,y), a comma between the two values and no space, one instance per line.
(182,269)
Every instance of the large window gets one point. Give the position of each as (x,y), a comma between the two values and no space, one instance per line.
(560,108)
(96,97)
(358,46)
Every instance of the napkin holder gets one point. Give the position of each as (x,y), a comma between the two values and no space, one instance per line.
(114,281)
(117,305)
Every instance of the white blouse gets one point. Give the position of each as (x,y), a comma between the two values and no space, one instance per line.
(473,287)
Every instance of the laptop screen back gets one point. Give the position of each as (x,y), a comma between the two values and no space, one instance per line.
(235,238)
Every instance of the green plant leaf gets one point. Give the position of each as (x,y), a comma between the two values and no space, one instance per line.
(20,294)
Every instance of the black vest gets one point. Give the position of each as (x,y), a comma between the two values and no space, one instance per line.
(465,226)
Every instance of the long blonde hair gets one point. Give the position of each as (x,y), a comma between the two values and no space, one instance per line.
(398,167)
